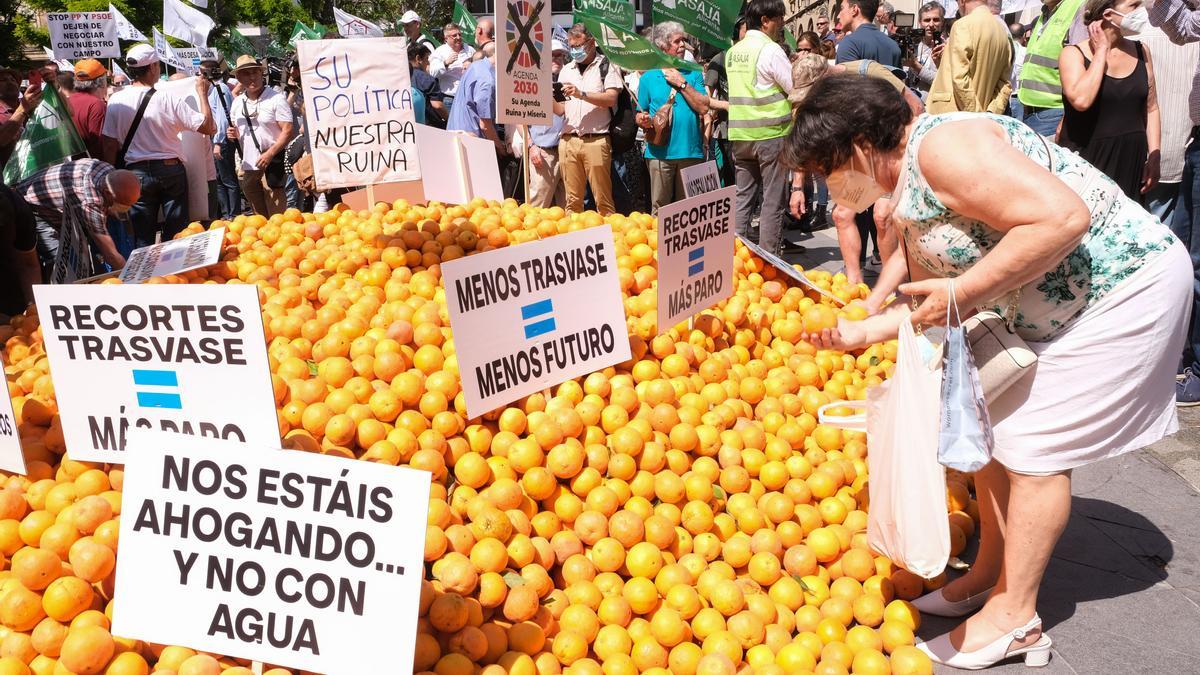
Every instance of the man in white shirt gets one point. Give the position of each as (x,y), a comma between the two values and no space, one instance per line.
(922,66)
(152,149)
(450,61)
(590,87)
(261,120)
(412,30)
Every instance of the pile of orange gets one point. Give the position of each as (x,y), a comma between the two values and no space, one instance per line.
(682,512)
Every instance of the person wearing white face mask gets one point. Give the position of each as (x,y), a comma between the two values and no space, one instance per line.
(1110,112)
(1087,277)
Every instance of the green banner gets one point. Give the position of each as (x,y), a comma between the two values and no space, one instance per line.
(237,46)
(709,21)
(619,13)
(302,32)
(465,22)
(789,39)
(630,50)
(277,50)
(429,36)
(49,137)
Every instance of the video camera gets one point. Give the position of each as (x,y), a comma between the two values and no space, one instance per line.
(907,34)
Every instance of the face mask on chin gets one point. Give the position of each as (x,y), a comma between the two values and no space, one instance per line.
(1133,23)
(854,189)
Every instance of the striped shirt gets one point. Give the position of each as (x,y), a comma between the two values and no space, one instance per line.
(1174,72)
(1180,20)
(78,183)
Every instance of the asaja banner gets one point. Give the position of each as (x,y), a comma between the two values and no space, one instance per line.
(619,13)
(186,359)
(710,21)
(531,316)
(358,105)
(309,561)
(83,35)
(695,255)
(524,86)
(630,50)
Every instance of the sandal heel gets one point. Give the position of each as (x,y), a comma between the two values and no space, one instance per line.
(1038,657)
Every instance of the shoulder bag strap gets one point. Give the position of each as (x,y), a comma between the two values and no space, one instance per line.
(133,127)
(250,123)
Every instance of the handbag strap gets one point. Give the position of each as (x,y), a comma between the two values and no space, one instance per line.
(133,126)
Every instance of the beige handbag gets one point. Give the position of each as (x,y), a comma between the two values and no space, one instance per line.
(1001,356)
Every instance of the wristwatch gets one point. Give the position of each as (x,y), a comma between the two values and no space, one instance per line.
(797,188)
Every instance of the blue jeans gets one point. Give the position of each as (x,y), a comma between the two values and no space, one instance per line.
(1161,201)
(164,185)
(1016,109)
(1184,224)
(229,194)
(1045,121)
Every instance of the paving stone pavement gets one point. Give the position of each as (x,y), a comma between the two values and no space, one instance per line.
(1122,593)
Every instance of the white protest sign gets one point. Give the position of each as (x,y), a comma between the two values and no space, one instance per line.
(786,267)
(700,178)
(531,316)
(695,255)
(467,166)
(191,359)
(313,562)
(524,83)
(12,458)
(168,54)
(173,257)
(83,35)
(358,106)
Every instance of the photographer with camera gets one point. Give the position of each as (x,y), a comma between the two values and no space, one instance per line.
(923,60)
(225,149)
(974,75)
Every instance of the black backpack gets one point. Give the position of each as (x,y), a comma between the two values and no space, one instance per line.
(622,128)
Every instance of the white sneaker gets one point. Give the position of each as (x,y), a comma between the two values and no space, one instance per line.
(936,604)
(1036,655)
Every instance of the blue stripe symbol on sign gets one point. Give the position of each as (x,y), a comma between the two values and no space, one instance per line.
(696,260)
(536,310)
(157,399)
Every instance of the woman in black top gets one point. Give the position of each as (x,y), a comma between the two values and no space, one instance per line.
(1110,108)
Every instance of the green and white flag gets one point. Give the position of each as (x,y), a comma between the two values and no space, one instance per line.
(49,137)
(429,36)
(302,32)
(236,45)
(709,21)
(465,21)
(619,13)
(630,50)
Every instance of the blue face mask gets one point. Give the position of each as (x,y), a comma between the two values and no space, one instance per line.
(578,54)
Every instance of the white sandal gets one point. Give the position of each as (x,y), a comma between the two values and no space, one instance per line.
(936,604)
(1036,655)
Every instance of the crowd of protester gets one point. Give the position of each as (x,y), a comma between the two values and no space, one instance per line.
(1104,78)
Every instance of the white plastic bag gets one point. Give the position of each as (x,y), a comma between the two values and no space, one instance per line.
(965,436)
(907,517)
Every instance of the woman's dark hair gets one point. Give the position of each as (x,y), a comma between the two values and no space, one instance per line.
(840,111)
(812,39)
(757,10)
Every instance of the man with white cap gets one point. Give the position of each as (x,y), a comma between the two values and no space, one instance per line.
(141,133)
(412,30)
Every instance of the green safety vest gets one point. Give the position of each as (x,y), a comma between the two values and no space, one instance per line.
(1041,83)
(754,114)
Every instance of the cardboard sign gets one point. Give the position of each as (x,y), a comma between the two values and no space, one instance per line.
(83,35)
(695,255)
(188,359)
(786,267)
(173,257)
(12,458)
(531,316)
(73,261)
(358,106)
(309,561)
(524,83)
(700,178)
(467,166)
